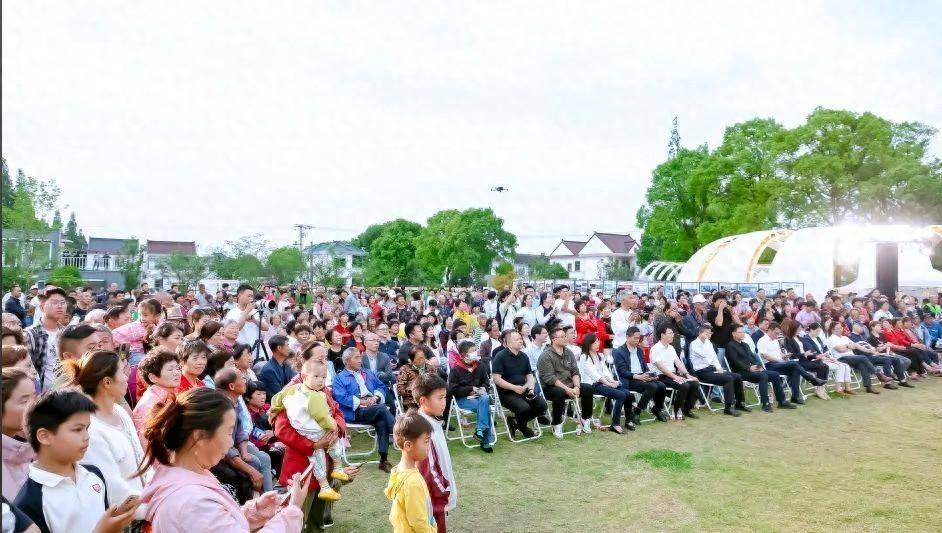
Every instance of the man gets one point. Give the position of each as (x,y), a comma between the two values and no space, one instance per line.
(706,366)
(762,329)
(351,302)
(362,398)
(304,297)
(42,337)
(901,364)
(743,361)
(634,375)
(277,372)
(516,386)
(201,295)
(559,376)
(771,352)
(723,321)
(14,304)
(565,307)
(415,335)
(387,344)
(670,318)
(380,364)
(491,344)
(403,312)
(863,348)
(83,303)
(248,318)
(696,319)
(625,317)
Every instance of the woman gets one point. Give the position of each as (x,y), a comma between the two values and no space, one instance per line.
(214,363)
(230,334)
(17,356)
(356,337)
(407,375)
(507,309)
(467,384)
(160,370)
(242,357)
(842,350)
(12,336)
(167,336)
(588,323)
(113,443)
(810,361)
(194,356)
(547,309)
(18,391)
(464,314)
(138,332)
(187,437)
(457,336)
(593,371)
(335,350)
(343,327)
(211,333)
(526,311)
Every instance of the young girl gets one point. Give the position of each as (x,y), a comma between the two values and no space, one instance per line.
(138,332)
(18,392)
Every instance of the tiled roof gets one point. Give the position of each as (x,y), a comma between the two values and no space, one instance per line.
(616,242)
(105,245)
(167,247)
(335,248)
(574,246)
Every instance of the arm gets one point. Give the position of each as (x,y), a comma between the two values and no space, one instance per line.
(455,385)
(317,407)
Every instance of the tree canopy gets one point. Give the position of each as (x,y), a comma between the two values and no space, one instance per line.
(460,246)
(285,264)
(838,166)
(391,257)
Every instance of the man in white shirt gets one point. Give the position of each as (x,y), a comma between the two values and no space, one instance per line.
(490,306)
(565,308)
(706,366)
(245,314)
(773,355)
(674,375)
(623,318)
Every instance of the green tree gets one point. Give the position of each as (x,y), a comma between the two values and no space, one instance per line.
(328,273)
(26,248)
(66,277)
(245,267)
(617,270)
(504,276)
(543,269)
(285,264)
(365,239)
(391,259)
(188,269)
(76,240)
(460,246)
(132,259)
(7,186)
(56,220)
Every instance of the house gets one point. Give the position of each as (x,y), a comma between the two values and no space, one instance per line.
(100,262)
(585,259)
(345,257)
(154,254)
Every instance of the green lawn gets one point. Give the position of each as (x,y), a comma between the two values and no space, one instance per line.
(868,463)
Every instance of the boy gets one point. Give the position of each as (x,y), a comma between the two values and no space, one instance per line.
(411,507)
(429,392)
(306,406)
(60,494)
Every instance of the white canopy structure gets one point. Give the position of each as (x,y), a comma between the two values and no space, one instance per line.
(809,256)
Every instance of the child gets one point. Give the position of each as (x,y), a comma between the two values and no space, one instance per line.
(262,435)
(306,406)
(138,332)
(411,506)
(429,390)
(60,494)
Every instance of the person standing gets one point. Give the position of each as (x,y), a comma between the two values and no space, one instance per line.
(248,319)
(42,338)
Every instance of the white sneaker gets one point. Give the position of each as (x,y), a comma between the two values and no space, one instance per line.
(587,426)
(558,431)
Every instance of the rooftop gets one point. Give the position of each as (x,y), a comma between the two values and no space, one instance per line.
(168,247)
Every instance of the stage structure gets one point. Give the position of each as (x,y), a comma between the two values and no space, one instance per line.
(883,256)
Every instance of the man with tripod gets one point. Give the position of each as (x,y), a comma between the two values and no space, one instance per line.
(248,318)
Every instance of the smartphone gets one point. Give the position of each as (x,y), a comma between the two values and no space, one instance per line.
(128,503)
(303,479)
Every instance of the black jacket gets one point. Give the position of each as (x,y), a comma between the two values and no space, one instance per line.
(460,381)
(740,357)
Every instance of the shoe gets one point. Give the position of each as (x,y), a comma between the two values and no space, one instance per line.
(841,393)
(767,407)
(821,393)
(328,522)
(819,382)
(631,426)
(871,390)
(543,420)
(849,392)
(526,431)
(787,405)
(385,466)
(558,431)
(662,416)
(798,400)
(907,384)
(884,378)
(616,429)
(731,412)
(890,386)
(636,415)
(512,426)
(743,408)
(691,415)
(586,426)
(486,448)
(339,475)
(328,494)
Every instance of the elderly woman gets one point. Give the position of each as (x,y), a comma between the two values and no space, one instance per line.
(408,373)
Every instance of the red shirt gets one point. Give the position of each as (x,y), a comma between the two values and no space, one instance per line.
(344,333)
(298,448)
(896,336)
(186,385)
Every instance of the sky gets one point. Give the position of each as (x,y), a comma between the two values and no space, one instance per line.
(212,120)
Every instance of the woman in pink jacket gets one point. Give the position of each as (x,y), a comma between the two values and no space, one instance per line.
(18,392)
(161,371)
(183,440)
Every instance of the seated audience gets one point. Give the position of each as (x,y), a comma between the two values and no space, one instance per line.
(706,366)
(593,371)
(362,398)
(468,386)
(745,362)
(515,383)
(559,377)
(671,371)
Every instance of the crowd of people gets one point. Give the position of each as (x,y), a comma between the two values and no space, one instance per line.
(182,409)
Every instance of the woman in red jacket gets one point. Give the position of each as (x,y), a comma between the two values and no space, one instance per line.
(587,322)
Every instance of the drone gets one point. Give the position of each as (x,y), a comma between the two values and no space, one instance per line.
(499,188)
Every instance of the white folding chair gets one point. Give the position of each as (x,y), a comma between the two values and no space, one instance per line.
(466,437)
(754,387)
(501,411)
(359,429)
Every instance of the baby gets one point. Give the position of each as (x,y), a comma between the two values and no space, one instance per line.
(305,404)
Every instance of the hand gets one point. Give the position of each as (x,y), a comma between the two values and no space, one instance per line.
(267,436)
(257,479)
(268,499)
(678,379)
(298,491)
(112,522)
(368,401)
(326,440)
(574,392)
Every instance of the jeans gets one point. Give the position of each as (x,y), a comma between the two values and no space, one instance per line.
(861,364)
(793,372)
(381,419)
(619,396)
(731,383)
(559,397)
(262,463)
(896,364)
(481,405)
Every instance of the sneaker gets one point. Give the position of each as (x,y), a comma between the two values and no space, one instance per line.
(787,405)
(871,390)
(339,475)
(543,420)
(636,415)
(907,384)
(486,448)
(328,494)
(558,431)
(631,426)
(663,416)
(482,440)
(587,426)
(512,424)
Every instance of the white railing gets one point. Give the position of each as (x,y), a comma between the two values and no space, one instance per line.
(91,262)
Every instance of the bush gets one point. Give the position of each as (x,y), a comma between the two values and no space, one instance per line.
(67,277)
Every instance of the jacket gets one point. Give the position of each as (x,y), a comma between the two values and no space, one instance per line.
(740,357)
(405,379)
(14,306)
(180,500)
(345,388)
(591,325)
(384,367)
(622,358)
(152,399)
(411,510)
(460,380)
(37,344)
(274,376)
(17,455)
(299,448)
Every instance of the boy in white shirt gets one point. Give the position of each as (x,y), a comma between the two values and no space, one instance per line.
(429,391)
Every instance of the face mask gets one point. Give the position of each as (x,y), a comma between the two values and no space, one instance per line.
(472,358)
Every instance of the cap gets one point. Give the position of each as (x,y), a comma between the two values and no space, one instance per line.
(698,299)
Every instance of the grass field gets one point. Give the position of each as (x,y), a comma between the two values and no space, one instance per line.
(868,463)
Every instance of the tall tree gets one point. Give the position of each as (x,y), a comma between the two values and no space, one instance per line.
(392,254)
(73,234)
(285,264)
(7,186)
(57,220)
(460,246)
(132,259)
(673,146)
(25,205)
(188,269)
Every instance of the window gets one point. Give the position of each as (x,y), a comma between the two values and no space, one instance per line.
(577,266)
(568,267)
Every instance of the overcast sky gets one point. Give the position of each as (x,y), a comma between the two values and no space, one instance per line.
(210,120)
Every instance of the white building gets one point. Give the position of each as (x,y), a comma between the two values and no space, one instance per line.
(155,252)
(585,259)
(346,257)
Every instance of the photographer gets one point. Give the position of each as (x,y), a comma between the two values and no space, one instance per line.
(248,318)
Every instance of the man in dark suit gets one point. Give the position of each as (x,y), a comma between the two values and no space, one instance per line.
(743,361)
(380,364)
(277,371)
(633,373)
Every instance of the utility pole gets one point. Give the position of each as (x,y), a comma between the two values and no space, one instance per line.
(301,229)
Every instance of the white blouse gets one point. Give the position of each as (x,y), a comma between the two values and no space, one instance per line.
(592,371)
(117,452)
(834,341)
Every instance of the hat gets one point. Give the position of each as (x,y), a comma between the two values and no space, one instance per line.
(698,299)
(175,313)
